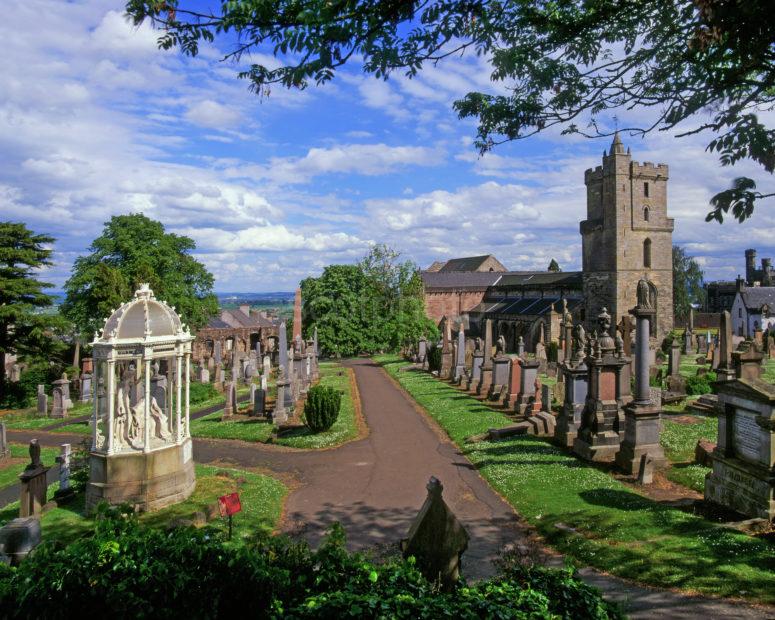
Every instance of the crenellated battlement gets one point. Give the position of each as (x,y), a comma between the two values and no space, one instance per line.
(649,169)
(591,174)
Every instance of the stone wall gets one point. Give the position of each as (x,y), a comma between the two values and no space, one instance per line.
(451,303)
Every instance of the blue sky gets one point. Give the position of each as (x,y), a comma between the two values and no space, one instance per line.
(95,121)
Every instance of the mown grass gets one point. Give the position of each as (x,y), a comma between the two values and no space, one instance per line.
(679,441)
(261,429)
(9,472)
(586,514)
(261,497)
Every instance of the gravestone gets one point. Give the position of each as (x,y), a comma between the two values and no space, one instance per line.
(575,376)
(525,399)
(645,470)
(61,400)
(642,422)
(264,382)
(521,346)
(674,360)
(446,348)
(218,353)
(603,419)
(436,539)
(460,357)
(5,450)
(86,380)
(280,414)
(546,398)
(42,401)
(725,371)
(65,491)
(485,377)
(422,350)
(477,359)
(18,538)
(744,457)
(33,484)
(204,375)
(267,365)
(230,407)
(259,402)
(501,365)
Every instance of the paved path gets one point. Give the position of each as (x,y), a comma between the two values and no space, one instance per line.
(374,487)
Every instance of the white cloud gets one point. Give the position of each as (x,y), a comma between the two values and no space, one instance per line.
(214,115)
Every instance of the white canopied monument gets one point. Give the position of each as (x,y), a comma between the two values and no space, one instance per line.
(141,445)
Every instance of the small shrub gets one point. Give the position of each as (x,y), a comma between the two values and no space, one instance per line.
(321,408)
(434,358)
(200,392)
(699,385)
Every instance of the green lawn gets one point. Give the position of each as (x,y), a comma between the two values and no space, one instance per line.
(261,496)
(586,514)
(9,474)
(679,441)
(260,429)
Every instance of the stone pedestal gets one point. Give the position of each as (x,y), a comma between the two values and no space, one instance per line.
(61,393)
(523,403)
(574,399)
(642,425)
(19,537)
(146,480)
(500,376)
(514,383)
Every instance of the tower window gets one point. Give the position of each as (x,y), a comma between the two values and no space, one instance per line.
(647,253)
(646,214)
(646,190)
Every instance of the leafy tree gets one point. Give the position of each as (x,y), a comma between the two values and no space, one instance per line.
(554,266)
(688,289)
(25,331)
(375,305)
(695,65)
(134,249)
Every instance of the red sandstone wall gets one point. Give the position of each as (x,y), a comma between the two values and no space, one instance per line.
(451,303)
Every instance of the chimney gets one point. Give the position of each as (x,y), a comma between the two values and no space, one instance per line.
(739,283)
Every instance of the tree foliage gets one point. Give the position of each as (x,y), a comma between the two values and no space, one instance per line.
(554,266)
(688,284)
(25,330)
(131,250)
(690,65)
(376,305)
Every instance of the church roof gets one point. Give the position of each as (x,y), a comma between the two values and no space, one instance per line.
(469,263)
(534,306)
(756,297)
(459,279)
(571,279)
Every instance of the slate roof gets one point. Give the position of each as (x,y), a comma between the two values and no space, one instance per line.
(534,306)
(457,280)
(467,263)
(756,297)
(236,319)
(569,279)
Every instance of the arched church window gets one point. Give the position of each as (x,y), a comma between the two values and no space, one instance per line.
(647,253)
(645,214)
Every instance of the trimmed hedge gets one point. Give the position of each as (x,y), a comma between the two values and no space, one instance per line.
(129,571)
(321,409)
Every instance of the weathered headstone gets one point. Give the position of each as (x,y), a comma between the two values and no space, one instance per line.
(436,539)
(422,350)
(5,450)
(446,348)
(42,401)
(485,377)
(203,376)
(645,469)
(267,365)
(61,400)
(280,415)
(230,407)
(674,360)
(725,370)
(546,398)
(264,382)
(521,346)
(33,484)
(574,394)
(86,380)
(65,491)
(460,357)
(259,402)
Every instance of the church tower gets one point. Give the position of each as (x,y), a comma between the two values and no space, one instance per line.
(627,235)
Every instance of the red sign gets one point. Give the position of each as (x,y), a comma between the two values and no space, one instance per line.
(229,504)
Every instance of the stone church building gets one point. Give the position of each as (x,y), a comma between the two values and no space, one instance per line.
(627,235)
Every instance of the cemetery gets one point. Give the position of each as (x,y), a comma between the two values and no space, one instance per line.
(229,387)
